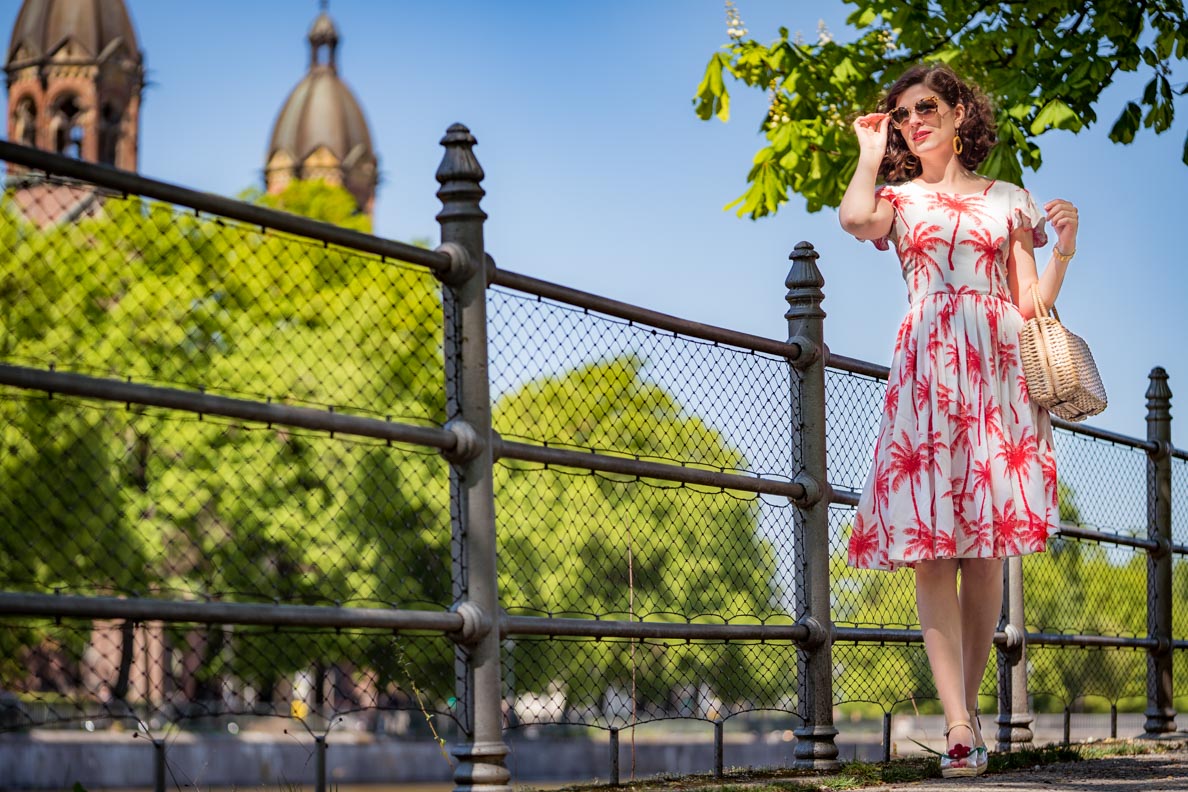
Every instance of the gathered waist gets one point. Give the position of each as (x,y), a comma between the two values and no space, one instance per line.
(970,294)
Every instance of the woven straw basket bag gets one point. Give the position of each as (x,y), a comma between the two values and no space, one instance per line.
(1061,375)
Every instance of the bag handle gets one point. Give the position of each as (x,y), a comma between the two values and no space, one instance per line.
(1038,303)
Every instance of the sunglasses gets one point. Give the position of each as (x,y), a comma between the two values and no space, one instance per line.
(927,108)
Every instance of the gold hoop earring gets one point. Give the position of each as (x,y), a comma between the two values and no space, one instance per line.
(957,144)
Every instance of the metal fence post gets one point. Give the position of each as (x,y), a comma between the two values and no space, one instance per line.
(320,763)
(158,765)
(481,762)
(815,746)
(1161,712)
(719,738)
(614,757)
(1014,710)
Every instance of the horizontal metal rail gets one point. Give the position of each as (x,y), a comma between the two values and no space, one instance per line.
(856,366)
(1090,641)
(585,460)
(134,184)
(605,628)
(889,635)
(261,614)
(1076,532)
(633,313)
(1179,453)
(886,635)
(878,635)
(147,609)
(1104,434)
(84,386)
(844,497)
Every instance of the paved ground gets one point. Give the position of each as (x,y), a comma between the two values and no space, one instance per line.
(1163,772)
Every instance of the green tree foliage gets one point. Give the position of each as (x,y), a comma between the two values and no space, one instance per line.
(1044,64)
(97,498)
(610,546)
(316,200)
(102,498)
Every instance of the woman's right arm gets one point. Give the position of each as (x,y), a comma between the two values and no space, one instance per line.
(861,213)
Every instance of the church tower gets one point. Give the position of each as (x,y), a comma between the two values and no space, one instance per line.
(75,76)
(321,132)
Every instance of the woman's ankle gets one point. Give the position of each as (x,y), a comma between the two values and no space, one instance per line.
(960,733)
(976,725)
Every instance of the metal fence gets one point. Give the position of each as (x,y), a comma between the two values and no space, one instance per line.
(262,472)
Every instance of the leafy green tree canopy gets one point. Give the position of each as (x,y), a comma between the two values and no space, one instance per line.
(315,199)
(1044,64)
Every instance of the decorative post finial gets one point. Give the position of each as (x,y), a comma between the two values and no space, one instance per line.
(804,299)
(460,175)
(1158,395)
(804,284)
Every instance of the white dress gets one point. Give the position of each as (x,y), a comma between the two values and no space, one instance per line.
(963,466)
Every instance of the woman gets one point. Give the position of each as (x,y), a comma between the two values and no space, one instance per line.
(964,473)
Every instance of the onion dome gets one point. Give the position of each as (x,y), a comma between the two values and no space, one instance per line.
(321,132)
(94,30)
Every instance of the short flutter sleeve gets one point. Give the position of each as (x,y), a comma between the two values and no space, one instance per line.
(890,194)
(1025,214)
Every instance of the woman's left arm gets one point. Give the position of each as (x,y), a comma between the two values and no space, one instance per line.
(1021,266)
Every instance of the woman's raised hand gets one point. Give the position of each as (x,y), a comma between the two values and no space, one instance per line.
(1062,216)
(871,130)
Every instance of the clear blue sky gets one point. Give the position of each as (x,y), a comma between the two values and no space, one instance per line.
(600,176)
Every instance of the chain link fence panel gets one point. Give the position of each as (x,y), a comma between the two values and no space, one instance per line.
(1086,588)
(617,683)
(152,677)
(108,499)
(1069,676)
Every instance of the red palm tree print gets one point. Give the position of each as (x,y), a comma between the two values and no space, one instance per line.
(988,248)
(863,544)
(1019,458)
(910,463)
(954,206)
(915,251)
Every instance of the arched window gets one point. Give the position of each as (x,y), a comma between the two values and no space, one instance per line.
(109,133)
(24,128)
(66,126)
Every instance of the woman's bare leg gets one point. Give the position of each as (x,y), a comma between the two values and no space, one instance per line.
(981,606)
(940,621)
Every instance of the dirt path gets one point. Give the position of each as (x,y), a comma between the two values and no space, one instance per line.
(1162,772)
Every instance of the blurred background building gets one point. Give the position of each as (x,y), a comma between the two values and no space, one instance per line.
(75,78)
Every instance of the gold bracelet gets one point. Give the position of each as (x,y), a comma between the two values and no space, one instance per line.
(1062,257)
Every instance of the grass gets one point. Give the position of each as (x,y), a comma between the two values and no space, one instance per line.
(861,775)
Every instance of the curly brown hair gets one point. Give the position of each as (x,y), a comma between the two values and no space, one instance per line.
(977,131)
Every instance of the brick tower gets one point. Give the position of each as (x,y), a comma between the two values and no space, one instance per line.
(75,76)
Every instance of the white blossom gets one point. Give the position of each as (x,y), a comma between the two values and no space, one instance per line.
(734,25)
(823,34)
